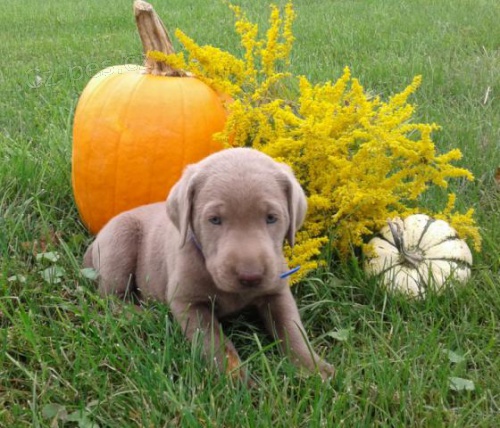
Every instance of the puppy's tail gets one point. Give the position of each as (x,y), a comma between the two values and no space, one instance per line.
(87,258)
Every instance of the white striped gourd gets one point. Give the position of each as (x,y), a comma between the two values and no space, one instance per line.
(418,253)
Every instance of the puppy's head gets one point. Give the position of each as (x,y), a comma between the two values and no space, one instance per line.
(238,206)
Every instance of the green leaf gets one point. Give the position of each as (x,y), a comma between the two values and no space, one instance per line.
(460,384)
(54,411)
(82,419)
(17,278)
(51,256)
(341,335)
(53,274)
(454,357)
(89,273)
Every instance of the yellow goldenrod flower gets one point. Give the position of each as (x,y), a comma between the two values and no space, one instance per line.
(360,160)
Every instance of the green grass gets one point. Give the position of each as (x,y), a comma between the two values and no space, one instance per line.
(62,348)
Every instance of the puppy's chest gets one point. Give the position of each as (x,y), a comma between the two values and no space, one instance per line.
(229,304)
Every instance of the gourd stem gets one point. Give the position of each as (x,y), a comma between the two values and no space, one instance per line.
(411,258)
(154,37)
(396,235)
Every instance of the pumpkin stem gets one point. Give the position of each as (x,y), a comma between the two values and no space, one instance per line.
(410,258)
(154,37)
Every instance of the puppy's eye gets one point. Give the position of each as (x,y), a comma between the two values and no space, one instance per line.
(271,218)
(216,220)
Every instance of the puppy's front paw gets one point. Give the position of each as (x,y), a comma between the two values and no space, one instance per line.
(235,369)
(327,371)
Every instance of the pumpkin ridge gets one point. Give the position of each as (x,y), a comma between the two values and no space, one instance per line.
(430,220)
(90,218)
(183,107)
(115,90)
(449,238)
(459,262)
(386,240)
(431,279)
(387,269)
(121,157)
(423,281)
(450,277)
(152,171)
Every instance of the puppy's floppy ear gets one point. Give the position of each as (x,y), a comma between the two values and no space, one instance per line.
(180,202)
(297,203)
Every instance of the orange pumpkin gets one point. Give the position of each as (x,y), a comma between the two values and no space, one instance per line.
(136,128)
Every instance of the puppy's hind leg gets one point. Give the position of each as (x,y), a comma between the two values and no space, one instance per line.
(114,256)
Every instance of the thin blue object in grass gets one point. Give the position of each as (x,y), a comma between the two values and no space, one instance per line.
(290,272)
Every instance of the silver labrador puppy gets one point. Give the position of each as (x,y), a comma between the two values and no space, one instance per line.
(216,249)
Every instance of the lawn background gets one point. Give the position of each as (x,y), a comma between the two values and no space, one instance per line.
(69,358)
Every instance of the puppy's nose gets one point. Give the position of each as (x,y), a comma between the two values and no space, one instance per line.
(250,279)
